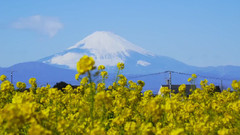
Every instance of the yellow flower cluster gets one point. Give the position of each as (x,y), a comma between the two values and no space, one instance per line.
(165,90)
(92,109)
(141,83)
(77,76)
(101,67)
(21,85)
(104,74)
(120,66)
(85,64)
(33,82)
(7,86)
(84,81)
(236,85)
(204,83)
(182,88)
(3,77)
(123,80)
(194,76)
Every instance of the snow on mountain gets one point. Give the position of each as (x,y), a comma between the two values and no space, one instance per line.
(143,63)
(103,43)
(107,49)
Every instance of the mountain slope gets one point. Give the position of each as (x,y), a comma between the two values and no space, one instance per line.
(108,49)
(44,73)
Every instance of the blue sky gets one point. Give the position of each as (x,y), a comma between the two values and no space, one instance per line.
(200,33)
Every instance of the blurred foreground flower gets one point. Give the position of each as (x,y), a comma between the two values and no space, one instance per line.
(3,77)
(85,64)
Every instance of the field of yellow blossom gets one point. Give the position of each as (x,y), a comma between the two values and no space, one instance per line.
(117,109)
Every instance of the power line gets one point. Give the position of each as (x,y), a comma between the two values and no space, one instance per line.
(139,76)
(210,77)
(202,76)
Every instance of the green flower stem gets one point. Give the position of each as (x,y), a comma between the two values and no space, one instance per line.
(92,99)
(117,75)
(103,79)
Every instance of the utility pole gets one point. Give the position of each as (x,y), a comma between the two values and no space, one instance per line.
(12,76)
(221,85)
(170,80)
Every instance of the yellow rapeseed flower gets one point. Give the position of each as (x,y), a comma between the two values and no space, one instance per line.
(104,74)
(204,82)
(165,90)
(194,76)
(182,88)
(3,77)
(178,131)
(120,66)
(130,127)
(36,129)
(33,82)
(77,76)
(84,80)
(235,85)
(7,86)
(101,67)
(141,83)
(21,85)
(189,79)
(148,93)
(85,64)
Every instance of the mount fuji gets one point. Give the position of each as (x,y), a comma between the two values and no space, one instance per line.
(108,49)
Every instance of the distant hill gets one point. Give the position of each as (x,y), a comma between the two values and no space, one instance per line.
(44,73)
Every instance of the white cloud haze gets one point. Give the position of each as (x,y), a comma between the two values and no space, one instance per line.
(46,25)
(69,59)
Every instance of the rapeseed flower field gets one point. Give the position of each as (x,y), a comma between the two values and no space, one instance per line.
(118,109)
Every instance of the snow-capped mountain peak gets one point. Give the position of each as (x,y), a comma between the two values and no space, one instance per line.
(102,43)
(107,49)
